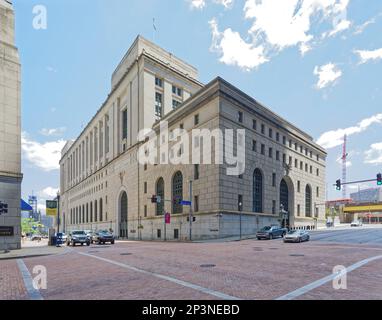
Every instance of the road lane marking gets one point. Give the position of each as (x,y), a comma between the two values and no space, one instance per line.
(301,291)
(160,276)
(34,294)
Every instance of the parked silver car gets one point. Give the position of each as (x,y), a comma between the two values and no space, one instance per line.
(297,236)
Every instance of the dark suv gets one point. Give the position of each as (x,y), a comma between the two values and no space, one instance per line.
(78,237)
(271,232)
(103,236)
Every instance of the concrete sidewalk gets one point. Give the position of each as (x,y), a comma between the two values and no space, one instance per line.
(30,252)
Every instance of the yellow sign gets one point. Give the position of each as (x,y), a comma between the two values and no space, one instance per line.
(51,208)
(363,208)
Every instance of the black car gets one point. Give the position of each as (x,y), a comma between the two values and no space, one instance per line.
(102,237)
(271,232)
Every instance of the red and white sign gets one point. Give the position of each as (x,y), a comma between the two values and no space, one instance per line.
(167,218)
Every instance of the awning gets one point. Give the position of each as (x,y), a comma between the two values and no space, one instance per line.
(25,206)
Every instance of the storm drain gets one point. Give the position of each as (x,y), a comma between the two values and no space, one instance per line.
(297,255)
(273,248)
(258,249)
(125,254)
(207,265)
(92,251)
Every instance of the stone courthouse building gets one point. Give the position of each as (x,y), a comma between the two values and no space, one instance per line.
(104,186)
(10,131)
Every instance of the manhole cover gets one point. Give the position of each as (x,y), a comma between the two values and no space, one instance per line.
(297,255)
(273,248)
(125,254)
(258,249)
(92,251)
(207,265)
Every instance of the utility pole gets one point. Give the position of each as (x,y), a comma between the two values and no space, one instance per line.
(344,163)
(190,210)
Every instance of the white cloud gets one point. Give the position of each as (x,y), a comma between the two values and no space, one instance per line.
(361,28)
(327,75)
(226,3)
(334,138)
(51,69)
(45,156)
(197,4)
(278,25)
(366,55)
(374,154)
(48,192)
(234,50)
(52,132)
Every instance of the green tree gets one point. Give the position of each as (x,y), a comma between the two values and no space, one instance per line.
(27,225)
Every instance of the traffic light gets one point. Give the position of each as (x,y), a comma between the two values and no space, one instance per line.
(379,179)
(3,208)
(154,199)
(338,184)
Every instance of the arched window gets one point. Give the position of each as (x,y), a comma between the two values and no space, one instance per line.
(284,195)
(100,210)
(257,191)
(123,225)
(160,193)
(308,201)
(177,192)
(95,211)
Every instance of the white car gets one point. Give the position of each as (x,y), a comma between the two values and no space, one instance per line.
(297,236)
(356,223)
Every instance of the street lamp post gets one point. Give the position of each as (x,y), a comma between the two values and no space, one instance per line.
(240,210)
(58,211)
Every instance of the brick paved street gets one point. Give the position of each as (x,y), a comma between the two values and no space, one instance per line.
(249,269)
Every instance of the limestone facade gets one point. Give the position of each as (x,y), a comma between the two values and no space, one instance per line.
(103,186)
(10,130)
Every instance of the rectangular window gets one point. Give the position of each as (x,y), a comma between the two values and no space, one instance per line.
(181,126)
(306,167)
(290,161)
(262,149)
(295,163)
(270,133)
(240,116)
(306,151)
(159,233)
(273,179)
(145,211)
(318,158)
(176,233)
(298,186)
(159,82)
(273,206)
(311,154)
(301,149)
(270,153)
(262,128)
(124,124)
(277,136)
(177,91)
(296,146)
(175,103)
(240,202)
(290,143)
(301,165)
(311,169)
(196,119)
(278,155)
(158,105)
(254,124)
(318,192)
(284,158)
(317,172)
(107,138)
(254,145)
(145,187)
(196,172)
(298,210)
(196,203)
(284,140)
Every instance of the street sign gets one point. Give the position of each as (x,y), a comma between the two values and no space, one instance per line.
(51,208)
(167,218)
(186,203)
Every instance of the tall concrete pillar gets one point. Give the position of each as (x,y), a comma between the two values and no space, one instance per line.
(10,131)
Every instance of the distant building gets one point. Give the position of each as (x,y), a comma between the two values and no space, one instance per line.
(367,195)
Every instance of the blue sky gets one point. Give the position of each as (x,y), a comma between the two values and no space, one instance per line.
(317,63)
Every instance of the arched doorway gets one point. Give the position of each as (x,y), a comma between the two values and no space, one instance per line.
(284,201)
(123,222)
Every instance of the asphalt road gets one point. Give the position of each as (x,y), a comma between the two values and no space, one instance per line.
(355,235)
